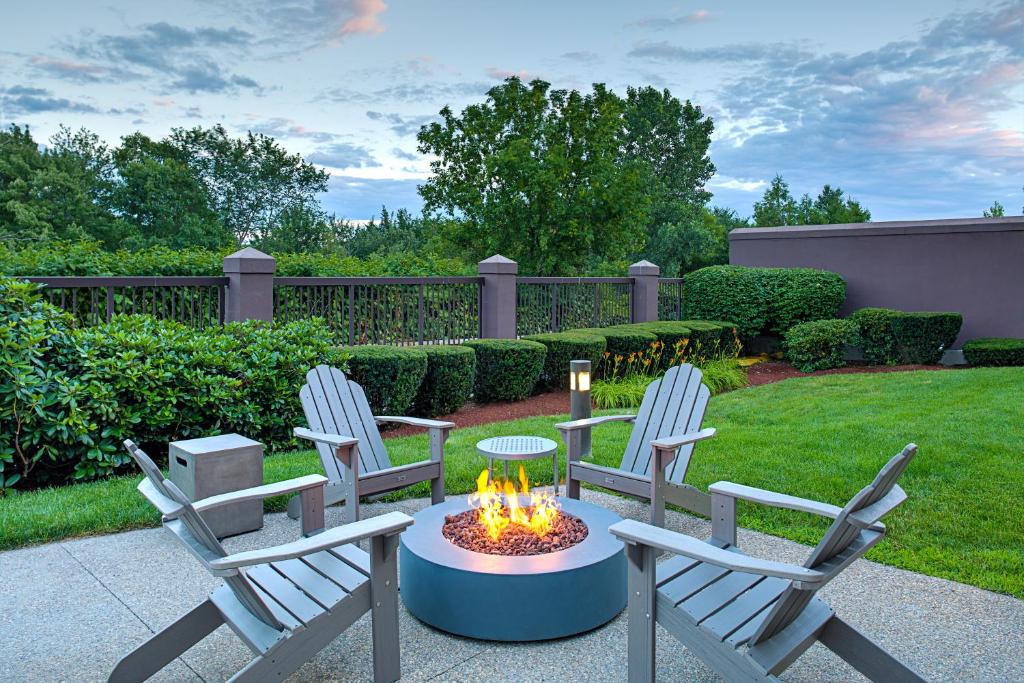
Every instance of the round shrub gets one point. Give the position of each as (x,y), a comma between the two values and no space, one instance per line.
(732,293)
(819,344)
(622,340)
(563,347)
(448,381)
(389,375)
(798,295)
(891,337)
(995,351)
(506,369)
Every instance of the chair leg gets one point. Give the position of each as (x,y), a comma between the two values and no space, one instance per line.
(384,608)
(437,439)
(573,449)
(165,646)
(864,655)
(640,583)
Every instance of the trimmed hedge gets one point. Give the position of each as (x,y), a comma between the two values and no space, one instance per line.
(563,347)
(668,333)
(819,344)
(763,300)
(622,340)
(890,337)
(995,351)
(68,396)
(506,369)
(448,382)
(710,333)
(389,375)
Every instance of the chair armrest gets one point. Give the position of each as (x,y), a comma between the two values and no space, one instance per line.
(631,531)
(672,443)
(333,440)
(591,421)
(385,525)
(775,500)
(415,421)
(259,492)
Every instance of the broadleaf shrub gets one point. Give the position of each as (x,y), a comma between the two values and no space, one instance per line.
(563,347)
(389,375)
(622,340)
(506,369)
(890,337)
(819,344)
(448,382)
(994,351)
(669,332)
(763,300)
(70,396)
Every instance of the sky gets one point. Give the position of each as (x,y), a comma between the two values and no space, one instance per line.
(915,108)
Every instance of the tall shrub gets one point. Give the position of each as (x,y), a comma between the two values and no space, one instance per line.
(889,336)
(389,375)
(506,369)
(448,382)
(563,347)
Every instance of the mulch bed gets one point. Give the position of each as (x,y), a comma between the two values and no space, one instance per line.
(557,402)
(465,531)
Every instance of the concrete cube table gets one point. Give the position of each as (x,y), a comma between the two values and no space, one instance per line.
(220,464)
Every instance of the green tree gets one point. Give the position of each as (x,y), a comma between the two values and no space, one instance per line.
(777,206)
(538,175)
(994,211)
(251,182)
(22,218)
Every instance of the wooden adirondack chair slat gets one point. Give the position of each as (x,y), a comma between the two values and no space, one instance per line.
(340,572)
(692,581)
(673,567)
(372,455)
(353,557)
(680,400)
(331,465)
(678,467)
(311,582)
(711,598)
(744,607)
(285,593)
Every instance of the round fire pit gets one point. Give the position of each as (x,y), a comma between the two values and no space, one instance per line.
(509,597)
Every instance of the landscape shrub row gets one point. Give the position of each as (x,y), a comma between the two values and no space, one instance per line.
(763,300)
(69,396)
(563,347)
(819,344)
(506,369)
(892,337)
(994,351)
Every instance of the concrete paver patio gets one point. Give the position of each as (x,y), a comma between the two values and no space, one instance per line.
(72,609)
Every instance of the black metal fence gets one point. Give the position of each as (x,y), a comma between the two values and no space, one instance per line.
(670,298)
(194,301)
(401,311)
(554,304)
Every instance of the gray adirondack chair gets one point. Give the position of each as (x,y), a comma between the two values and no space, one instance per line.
(353,454)
(749,618)
(659,449)
(287,602)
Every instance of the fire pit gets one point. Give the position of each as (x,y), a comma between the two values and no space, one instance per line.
(542,568)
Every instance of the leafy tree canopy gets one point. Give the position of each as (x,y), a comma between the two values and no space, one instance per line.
(994,211)
(777,207)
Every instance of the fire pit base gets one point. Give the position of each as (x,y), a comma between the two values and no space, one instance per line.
(510,598)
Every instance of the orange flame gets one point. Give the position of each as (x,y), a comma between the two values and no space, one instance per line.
(500,506)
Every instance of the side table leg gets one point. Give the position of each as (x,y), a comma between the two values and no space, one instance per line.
(554,471)
(506,470)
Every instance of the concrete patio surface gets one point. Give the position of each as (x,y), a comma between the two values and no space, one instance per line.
(72,609)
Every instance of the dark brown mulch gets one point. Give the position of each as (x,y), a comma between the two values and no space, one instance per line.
(465,531)
(776,371)
(557,402)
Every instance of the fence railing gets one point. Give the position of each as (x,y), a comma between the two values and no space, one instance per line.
(371,310)
(670,298)
(554,304)
(194,301)
(380,310)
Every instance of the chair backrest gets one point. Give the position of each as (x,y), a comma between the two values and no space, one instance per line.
(856,530)
(188,526)
(333,404)
(672,405)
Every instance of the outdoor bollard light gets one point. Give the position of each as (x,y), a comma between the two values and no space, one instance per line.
(579,398)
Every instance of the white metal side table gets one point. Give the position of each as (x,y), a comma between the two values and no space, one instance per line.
(515,448)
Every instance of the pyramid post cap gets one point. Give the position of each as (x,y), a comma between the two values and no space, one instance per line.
(644,268)
(498,264)
(249,260)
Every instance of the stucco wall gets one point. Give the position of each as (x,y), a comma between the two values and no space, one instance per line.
(974,266)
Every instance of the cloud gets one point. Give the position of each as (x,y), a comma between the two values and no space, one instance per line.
(413,91)
(581,56)
(728,183)
(402,154)
(20,100)
(401,123)
(364,17)
(343,155)
(299,24)
(287,128)
(697,17)
(186,59)
(920,117)
(80,72)
(360,198)
(501,74)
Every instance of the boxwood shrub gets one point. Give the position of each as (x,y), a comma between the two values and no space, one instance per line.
(668,332)
(994,351)
(448,382)
(890,337)
(622,340)
(819,344)
(563,347)
(712,334)
(506,369)
(763,300)
(390,375)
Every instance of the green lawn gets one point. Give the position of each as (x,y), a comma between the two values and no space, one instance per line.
(822,437)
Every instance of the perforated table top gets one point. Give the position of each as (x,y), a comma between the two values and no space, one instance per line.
(516,447)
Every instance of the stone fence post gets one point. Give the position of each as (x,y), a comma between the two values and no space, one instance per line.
(498,297)
(250,294)
(645,291)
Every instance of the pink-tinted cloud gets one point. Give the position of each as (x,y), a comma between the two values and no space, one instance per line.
(502,74)
(66,66)
(364,17)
